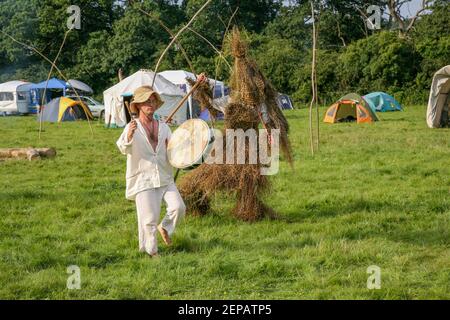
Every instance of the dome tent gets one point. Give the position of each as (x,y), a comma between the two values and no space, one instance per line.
(64,109)
(351,107)
(380,101)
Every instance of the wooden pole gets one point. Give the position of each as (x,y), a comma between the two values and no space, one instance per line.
(132,115)
(169,118)
(316,94)
(172,36)
(223,41)
(176,37)
(313,71)
(109,121)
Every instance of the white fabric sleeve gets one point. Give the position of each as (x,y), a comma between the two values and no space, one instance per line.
(169,133)
(123,144)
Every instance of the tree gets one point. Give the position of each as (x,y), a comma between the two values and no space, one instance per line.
(432,40)
(278,59)
(382,61)
(290,25)
(252,16)
(43,24)
(17,19)
(405,24)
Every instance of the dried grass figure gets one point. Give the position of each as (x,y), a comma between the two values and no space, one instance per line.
(204,96)
(250,93)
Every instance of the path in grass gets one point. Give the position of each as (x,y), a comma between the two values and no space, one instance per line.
(374,195)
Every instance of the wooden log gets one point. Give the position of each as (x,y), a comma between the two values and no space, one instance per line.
(27,153)
(4,153)
(20,153)
(47,152)
(33,154)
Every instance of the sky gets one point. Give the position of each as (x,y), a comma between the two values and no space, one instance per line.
(408,10)
(411,8)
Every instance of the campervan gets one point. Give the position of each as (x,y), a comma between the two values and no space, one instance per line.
(15,97)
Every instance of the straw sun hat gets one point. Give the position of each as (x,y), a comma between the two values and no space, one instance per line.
(142,94)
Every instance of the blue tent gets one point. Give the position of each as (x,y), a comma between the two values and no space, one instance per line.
(51,85)
(380,101)
(285,102)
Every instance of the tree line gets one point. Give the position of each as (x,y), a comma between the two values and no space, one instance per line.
(399,55)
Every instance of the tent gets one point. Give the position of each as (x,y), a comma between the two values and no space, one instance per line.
(116,114)
(284,102)
(52,83)
(178,77)
(79,86)
(380,101)
(438,111)
(53,88)
(15,97)
(350,107)
(64,109)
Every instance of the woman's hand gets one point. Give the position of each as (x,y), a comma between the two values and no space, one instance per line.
(131,130)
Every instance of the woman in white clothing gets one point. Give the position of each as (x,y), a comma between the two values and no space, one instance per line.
(149,177)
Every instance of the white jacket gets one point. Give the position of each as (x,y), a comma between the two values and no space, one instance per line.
(146,168)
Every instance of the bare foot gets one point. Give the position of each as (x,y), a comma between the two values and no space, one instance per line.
(165,235)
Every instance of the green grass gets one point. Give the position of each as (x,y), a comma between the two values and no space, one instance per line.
(375,194)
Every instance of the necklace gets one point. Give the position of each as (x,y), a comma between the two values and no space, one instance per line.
(152,132)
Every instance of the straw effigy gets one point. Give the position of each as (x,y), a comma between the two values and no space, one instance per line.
(250,90)
(204,96)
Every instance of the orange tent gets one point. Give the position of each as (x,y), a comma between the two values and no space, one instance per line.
(351,107)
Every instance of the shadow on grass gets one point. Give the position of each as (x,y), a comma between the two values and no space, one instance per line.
(186,243)
(401,228)
(26,195)
(434,236)
(100,260)
(325,209)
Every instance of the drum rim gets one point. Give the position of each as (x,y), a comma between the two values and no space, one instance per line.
(207,146)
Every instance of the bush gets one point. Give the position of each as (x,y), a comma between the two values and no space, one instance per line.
(379,62)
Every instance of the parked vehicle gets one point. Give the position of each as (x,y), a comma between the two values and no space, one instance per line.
(14,97)
(97,109)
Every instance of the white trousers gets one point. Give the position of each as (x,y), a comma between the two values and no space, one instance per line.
(148,206)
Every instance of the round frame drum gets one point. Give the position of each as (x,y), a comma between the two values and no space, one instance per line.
(190,144)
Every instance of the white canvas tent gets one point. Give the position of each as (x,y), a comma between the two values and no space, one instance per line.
(115,114)
(178,77)
(438,103)
(221,91)
(14,97)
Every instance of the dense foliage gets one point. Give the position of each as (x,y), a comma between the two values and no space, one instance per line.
(117,34)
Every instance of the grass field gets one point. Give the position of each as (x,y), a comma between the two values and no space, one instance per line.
(375,194)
